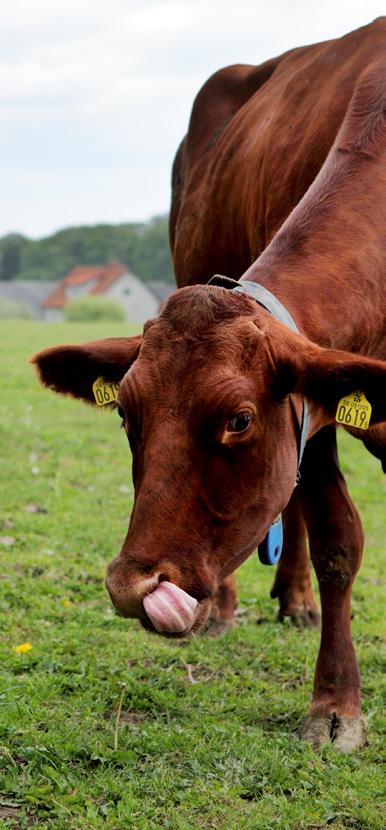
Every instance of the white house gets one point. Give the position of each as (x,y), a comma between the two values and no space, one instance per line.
(113,280)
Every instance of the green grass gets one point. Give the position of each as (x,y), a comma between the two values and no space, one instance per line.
(218,753)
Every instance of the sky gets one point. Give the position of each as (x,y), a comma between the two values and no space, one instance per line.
(95,96)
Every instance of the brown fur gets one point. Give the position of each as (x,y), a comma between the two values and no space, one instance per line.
(280,180)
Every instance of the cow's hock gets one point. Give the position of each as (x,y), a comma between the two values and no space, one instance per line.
(170,609)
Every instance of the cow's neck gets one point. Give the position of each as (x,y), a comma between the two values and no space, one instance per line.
(327,262)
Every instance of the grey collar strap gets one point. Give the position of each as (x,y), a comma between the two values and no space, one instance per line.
(271,303)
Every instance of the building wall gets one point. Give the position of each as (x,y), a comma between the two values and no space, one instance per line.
(53,315)
(74,292)
(137,300)
(30,293)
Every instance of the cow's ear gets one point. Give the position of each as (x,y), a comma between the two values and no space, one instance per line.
(72,370)
(325,376)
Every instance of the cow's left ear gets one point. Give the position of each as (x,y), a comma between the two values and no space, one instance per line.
(72,370)
(325,376)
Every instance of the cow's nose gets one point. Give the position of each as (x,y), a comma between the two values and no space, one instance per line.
(156,597)
(153,592)
(127,587)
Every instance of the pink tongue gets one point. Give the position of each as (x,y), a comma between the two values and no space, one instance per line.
(170,609)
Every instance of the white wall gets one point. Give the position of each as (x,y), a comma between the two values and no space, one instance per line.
(53,315)
(137,300)
(73,292)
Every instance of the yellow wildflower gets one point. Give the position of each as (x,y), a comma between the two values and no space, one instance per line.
(67,603)
(22,648)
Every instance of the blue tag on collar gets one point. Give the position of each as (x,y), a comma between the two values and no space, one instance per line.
(271,547)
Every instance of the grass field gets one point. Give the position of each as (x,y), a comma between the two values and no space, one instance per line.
(105,726)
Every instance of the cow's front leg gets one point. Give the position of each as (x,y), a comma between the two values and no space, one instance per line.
(292,585)
(336,543)
(222,615)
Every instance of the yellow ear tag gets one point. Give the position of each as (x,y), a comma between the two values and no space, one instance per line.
(105,391)
(354,411)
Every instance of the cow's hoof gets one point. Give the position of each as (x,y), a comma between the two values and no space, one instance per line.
(316,730)
(215,628)
(348,733)
(297,603)
(345,734)
(301,617)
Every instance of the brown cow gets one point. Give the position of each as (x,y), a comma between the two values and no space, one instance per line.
(212,396)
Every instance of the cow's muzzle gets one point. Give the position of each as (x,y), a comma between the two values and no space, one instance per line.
(155,599)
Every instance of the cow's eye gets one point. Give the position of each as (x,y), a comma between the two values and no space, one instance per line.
(120,412)
(240,422)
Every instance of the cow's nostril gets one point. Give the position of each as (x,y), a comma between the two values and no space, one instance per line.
(147,568)
(201,593)
(163,578)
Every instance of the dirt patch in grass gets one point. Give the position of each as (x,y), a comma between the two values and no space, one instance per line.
(12,814)
(128,716)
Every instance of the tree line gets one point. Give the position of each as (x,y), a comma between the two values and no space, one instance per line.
(143,247)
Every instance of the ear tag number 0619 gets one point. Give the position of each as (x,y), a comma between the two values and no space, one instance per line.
(105,391)
(354,411)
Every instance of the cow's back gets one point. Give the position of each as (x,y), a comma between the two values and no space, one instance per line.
(257,138)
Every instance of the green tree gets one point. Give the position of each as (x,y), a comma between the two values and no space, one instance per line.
(153,261)
(10,255)
(143,247)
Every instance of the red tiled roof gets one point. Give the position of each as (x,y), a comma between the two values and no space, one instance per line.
(101,277)
(83,273)
(109,274)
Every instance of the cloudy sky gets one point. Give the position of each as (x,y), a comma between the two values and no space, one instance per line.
(95,95)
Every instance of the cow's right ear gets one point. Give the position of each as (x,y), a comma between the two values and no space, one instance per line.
(72,370)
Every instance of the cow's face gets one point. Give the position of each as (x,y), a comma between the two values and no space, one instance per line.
(205,401)
(214,450)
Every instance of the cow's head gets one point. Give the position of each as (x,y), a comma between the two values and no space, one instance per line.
(210,398)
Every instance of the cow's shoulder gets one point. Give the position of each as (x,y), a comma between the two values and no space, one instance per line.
(363,130)
(220,98)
